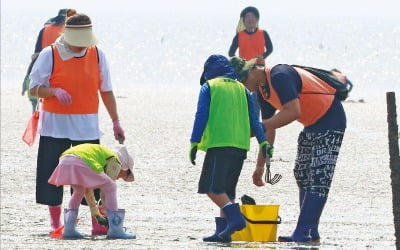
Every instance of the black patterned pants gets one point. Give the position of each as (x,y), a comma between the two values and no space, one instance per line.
(315,163)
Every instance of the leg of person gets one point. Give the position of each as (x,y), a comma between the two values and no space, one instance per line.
(325,149)
(235,220)
(71,214)
(214,182)
(302,175)
(204,184)
(55,214)
(49,152)
(96,228)
(325,152)
(115,216)
(301,169)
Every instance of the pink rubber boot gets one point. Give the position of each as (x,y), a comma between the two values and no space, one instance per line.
(55,213)
(96,228)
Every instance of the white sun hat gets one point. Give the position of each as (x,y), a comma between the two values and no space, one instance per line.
(126,162)
(80,35)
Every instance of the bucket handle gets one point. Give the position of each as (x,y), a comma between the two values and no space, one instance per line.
(263,221)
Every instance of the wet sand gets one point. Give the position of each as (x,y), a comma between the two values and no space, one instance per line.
(162,206)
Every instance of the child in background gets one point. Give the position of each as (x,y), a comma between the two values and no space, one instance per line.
(88,166)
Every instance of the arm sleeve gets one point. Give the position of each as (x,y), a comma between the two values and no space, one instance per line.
(38,45)
(255,124)
(234,46)
(105,75)
(201,118)
(268,45)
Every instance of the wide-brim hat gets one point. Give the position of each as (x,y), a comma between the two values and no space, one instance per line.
(242,67)
(126,162)
(80,35)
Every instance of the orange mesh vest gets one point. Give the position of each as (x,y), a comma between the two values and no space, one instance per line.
(315,97)
(80,77)
(50,34)
(250,46)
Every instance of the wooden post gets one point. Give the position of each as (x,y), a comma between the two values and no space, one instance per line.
(394,161)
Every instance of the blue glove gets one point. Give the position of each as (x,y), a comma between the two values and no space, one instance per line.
(266,149)
(192,152)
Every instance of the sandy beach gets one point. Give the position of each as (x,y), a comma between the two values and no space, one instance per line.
(162,206)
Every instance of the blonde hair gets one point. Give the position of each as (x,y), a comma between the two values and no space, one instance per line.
(240,26)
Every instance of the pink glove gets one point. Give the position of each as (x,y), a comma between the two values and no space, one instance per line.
(119,133)
(63,97)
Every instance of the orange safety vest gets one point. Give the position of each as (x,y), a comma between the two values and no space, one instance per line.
(80,77)
(316,96)
(251,45)
(50,34)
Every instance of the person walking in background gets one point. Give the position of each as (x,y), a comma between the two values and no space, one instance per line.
(52,29)
(223,123)
(252,41)
(88,166)
(301,96)
(68,76)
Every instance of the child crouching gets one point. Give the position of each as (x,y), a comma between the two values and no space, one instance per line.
(88,166)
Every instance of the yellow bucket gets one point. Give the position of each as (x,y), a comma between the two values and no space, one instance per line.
(261,223)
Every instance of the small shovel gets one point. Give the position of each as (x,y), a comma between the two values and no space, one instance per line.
(268,179)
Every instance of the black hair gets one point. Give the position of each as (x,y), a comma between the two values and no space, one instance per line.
(78,19)
(250,9)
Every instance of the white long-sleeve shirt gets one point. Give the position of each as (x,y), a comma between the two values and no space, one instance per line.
(71,126)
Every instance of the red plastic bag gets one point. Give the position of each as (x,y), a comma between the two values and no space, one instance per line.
(31,129)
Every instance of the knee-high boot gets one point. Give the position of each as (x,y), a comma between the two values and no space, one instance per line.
(314,231)
(55,213)
(310,213)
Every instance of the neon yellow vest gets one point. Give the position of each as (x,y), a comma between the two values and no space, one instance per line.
(94,155)
(228,122)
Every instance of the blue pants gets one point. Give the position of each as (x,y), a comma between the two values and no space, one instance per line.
(315,163)
(221,171)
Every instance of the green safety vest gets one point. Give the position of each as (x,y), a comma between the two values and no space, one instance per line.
(94,155)
(228,122)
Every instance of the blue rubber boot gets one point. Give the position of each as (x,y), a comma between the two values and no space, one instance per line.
(116,222)
(310,213)
(235,222)
(70,232)
(315,238)
(220,224)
